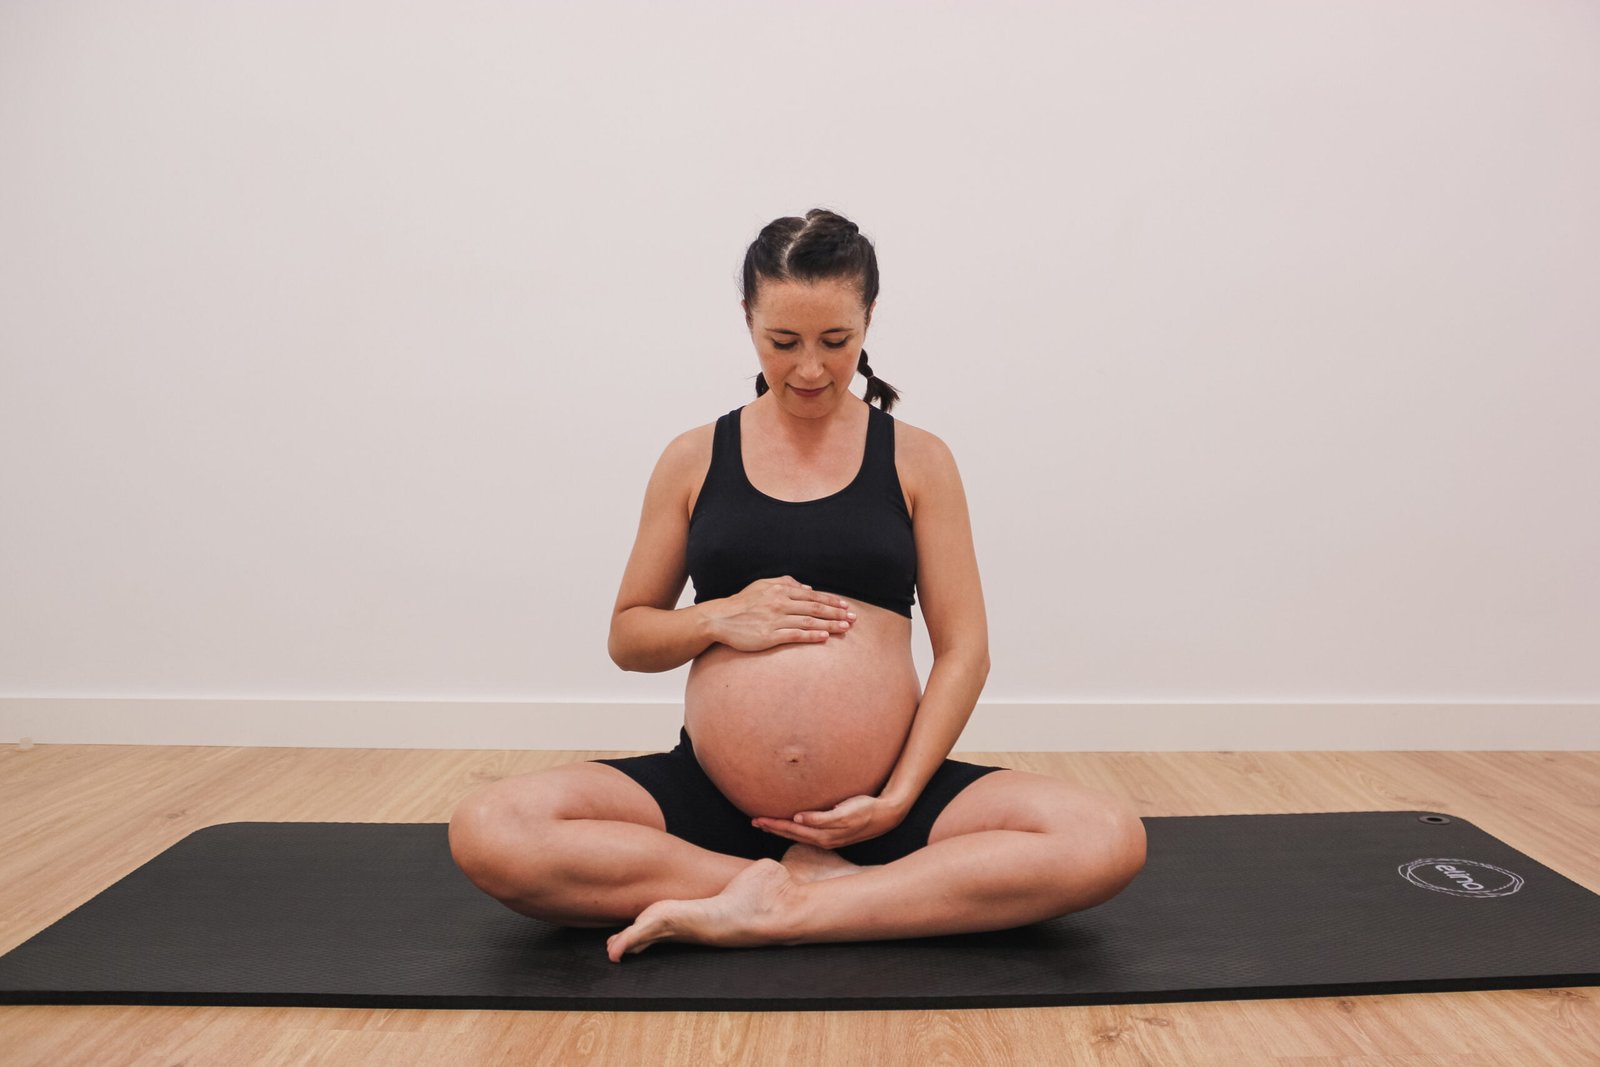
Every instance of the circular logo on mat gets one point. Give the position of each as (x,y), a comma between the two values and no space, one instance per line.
(1461,878)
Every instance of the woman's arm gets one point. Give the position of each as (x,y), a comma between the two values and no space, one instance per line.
(652,640)
(648,632)
(952,607)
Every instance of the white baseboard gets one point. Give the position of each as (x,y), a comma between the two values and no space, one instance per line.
(612,726)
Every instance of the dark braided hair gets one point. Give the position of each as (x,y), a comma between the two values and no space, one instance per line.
(822,246)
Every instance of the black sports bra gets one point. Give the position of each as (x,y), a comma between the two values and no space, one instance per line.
(856,542)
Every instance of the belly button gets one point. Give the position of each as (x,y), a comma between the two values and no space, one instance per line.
(792,753)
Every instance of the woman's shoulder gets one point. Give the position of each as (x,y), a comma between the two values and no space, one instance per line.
(924,463)
(680,469)
(919,449)
(691,449)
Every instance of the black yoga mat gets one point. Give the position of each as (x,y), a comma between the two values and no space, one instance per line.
(1227,907)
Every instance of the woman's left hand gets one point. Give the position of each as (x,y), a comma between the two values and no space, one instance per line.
(856,819)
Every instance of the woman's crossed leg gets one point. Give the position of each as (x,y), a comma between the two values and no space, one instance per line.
(584,845)
(581,844)
(1011,848)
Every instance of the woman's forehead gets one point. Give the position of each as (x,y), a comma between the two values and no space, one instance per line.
(819,306)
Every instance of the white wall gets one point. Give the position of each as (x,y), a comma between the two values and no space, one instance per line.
(337,340)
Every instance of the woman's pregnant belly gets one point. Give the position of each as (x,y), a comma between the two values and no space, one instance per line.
(803,725)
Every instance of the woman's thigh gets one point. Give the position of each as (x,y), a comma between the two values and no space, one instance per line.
(1022,800)
(586,790)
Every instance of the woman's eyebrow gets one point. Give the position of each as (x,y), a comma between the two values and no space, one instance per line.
(834,329)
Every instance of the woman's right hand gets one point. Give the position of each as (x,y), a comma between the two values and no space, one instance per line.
(772,611)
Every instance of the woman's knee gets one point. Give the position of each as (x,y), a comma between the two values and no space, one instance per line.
(1128,846)
(496,832)
(513,837)
(1114,836)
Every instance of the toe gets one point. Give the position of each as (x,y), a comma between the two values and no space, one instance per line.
(647,929)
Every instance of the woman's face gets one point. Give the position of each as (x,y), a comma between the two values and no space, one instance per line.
(809,337)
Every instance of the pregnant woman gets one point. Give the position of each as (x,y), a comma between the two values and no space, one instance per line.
(810,796)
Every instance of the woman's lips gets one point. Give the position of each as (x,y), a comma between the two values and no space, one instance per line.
(809,392)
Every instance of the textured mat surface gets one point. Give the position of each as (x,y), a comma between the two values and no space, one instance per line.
(1227,907)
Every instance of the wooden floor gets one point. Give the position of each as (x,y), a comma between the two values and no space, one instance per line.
(78,817)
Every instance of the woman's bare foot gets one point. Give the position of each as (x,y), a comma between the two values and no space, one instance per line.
(808,863)
(752,909)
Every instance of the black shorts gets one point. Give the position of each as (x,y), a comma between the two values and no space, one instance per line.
(696,810)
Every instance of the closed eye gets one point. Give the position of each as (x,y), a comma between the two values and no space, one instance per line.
(791,344)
